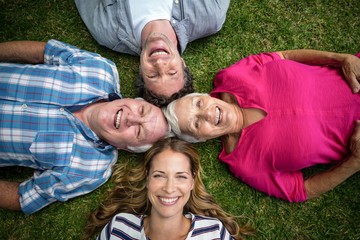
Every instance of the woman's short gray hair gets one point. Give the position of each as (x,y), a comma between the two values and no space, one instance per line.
(169,112)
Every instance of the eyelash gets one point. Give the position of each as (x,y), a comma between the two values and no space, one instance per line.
(158,176)
(152,76)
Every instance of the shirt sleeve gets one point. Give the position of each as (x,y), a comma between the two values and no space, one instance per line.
(246,68)
(106,231)
(48,186)
(93,69)
(224,233)
(288,186)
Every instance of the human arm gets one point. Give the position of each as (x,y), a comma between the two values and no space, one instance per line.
(350,64)
(22,52)
(327,180)
(9,197)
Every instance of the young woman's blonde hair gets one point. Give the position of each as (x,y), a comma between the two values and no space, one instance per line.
(130,193)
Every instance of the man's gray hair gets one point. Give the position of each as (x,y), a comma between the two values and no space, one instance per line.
(169,112)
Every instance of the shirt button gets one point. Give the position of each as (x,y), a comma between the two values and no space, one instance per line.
(24,106)
(177,1)
(61,109)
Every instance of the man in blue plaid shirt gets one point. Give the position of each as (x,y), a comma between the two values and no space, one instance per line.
(61,114)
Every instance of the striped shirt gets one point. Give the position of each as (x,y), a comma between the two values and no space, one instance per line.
(38,129)
(128,226)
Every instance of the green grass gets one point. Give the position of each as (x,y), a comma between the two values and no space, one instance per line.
(251,27)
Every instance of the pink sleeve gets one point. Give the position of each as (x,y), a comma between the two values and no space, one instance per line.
(285,185)
(242,66)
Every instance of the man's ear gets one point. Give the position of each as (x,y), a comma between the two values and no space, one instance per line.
(183,61)
(124,148)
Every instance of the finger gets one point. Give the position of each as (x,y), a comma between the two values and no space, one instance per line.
(355,138)
(356,134)
(353,82)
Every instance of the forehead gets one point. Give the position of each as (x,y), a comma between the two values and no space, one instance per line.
(170,159)
(185,111)
(155,126)
(184,103)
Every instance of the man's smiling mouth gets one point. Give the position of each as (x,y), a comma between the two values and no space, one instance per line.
(118,118)
(158,52)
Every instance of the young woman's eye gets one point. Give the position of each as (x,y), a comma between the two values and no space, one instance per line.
(158,176)
(182,177)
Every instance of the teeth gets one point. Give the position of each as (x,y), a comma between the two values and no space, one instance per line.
(117,122)
(161,52)
(168,200)
(217,119)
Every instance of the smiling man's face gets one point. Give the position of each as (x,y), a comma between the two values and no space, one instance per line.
(128,122)
(161,65)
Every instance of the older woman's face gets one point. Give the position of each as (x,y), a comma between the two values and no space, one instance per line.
(206,117)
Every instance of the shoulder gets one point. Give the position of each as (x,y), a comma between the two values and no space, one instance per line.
(123,226)
(205,221)
(127,219)
(207,227)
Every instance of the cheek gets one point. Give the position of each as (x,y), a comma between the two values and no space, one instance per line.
(206,129)
(123,138)
(186,188)
(153,186)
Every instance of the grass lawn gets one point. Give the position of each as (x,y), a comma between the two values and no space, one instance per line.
(251,27)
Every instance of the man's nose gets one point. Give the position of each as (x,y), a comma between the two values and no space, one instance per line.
(134,120)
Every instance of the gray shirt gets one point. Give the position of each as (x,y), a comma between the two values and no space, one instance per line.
(109,21)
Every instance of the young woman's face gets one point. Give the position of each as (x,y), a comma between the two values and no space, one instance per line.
(169,183)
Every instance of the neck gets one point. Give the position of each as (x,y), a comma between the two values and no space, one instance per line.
(244,119)
(167,229)
(160,26)
(84,114)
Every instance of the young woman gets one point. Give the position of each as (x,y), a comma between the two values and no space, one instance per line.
(163,198)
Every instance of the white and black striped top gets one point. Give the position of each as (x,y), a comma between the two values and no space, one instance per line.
(128,226)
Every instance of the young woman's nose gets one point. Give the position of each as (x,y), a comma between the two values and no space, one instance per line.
(169,186)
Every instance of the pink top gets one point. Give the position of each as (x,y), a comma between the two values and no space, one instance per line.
(310,116)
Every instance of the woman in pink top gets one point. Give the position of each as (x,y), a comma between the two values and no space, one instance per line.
(278,113)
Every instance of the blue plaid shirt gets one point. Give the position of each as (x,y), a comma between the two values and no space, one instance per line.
(38,129)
